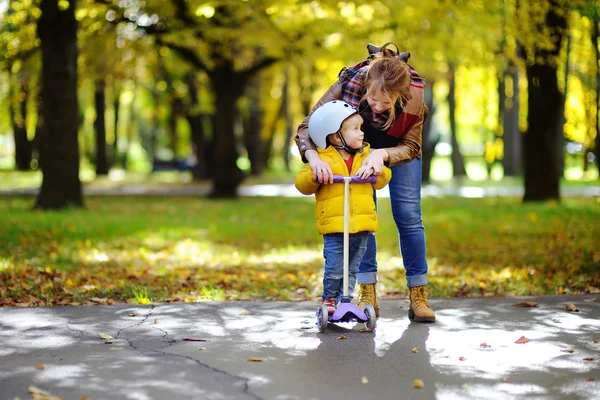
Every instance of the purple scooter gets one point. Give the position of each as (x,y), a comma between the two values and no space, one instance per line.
(346,311)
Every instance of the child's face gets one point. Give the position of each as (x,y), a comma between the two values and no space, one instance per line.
(352,133)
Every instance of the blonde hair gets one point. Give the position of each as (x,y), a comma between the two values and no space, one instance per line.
(389,76)
(354,117)
(351,118)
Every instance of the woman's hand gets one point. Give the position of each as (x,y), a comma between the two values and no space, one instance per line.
(373,164)
(321,170)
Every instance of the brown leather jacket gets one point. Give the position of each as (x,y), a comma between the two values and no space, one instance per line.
(408,149)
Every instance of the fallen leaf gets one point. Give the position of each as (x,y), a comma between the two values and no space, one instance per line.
(244,313)
(417,383)
(40,366)
(526,304)
(523,339)
(567,350)
(39,394)
(556,320)
(98,300)
(365,329)
(255,359)
(132,314)
(116,348)
(588,359)
(155,321)
(571,307)
(107,338)
(415,350)
(590,380)
(201,348)
(341,337)
(505,380)
(592,299)
(484,345)
(595,340)
(364,380)
(196,340)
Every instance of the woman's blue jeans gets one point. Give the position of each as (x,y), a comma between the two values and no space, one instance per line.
(405,198)
(333,252)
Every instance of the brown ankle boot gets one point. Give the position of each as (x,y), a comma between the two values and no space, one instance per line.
(420,310)
(367,294)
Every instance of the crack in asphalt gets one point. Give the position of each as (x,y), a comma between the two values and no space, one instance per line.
(171,341)
(245,380)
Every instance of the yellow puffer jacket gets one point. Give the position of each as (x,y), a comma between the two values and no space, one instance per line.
(329,208)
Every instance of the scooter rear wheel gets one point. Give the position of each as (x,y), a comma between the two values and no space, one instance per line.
(322,317)
(371,317)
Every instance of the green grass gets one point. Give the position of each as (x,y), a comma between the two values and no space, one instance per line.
(122,249)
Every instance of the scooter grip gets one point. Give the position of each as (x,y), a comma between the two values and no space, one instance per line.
(355,179)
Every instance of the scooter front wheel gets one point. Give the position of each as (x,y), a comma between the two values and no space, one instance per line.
(371,317)
(322,317)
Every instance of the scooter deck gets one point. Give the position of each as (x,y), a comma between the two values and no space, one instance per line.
(348,312)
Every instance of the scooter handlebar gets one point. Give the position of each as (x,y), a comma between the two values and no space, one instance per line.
(355,179)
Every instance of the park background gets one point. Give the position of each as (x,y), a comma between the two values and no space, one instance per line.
(172,95)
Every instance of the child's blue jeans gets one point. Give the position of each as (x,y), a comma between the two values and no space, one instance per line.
(333,252)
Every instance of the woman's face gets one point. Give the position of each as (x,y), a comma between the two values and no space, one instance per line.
(379,102)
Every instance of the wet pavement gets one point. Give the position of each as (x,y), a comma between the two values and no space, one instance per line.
(273,350)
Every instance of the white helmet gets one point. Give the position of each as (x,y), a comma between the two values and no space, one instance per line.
(328,119)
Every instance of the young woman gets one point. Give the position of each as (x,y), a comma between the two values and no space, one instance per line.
(389,96)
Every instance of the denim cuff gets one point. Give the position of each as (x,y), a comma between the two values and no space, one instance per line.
(416,280)
(366,277)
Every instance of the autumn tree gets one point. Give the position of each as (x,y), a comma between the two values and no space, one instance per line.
(543,26)
(59,150)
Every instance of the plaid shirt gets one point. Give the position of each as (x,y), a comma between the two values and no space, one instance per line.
(353,89)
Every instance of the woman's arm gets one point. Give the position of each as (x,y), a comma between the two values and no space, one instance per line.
(410,147)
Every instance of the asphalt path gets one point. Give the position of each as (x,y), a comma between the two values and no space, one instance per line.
(479,348)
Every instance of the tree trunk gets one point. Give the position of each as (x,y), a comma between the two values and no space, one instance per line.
(541,158)
(560,134)
(596,44)
(23,146)
(176,111)
(253,127)
(153,140)
(131,128)
(430,138)
(100,127)
(287,117)
(116,107)
(544,116)
(226,175)
(513,151)
(195,120)
(458,163)
(59,150)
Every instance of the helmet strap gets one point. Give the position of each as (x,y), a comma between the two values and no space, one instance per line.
(344,145)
